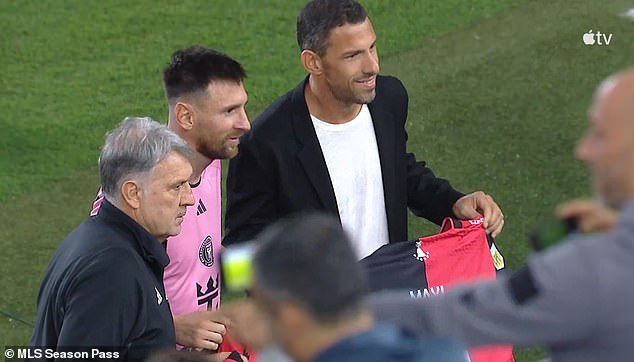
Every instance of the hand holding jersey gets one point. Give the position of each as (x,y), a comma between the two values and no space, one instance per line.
(480,204)
(203,329)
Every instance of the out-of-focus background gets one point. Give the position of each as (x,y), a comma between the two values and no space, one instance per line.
(499,91)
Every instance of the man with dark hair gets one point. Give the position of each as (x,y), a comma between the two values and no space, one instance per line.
(574,298)
(337,143)
(206,98)
(104,287)
(310,289)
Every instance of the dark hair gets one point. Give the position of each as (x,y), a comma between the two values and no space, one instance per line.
(319,17)
(192,69)
(308,260)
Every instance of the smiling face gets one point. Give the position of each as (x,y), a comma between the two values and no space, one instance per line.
(350,63)
(220,119)
(608,145)
(164,196)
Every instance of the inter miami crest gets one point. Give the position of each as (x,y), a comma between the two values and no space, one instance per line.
(206,252)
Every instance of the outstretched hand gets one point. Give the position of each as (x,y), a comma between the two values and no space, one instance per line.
(590,216)
(250,326)
(480,204)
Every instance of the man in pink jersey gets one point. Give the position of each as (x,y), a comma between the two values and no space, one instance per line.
(206,97)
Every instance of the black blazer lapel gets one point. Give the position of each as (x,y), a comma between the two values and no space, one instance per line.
(310,155)
(384,128)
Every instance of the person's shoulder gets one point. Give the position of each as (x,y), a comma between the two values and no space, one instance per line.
(84,261)
(95,239)
(95,235)
(390,83)
(277,112)
(275,122)
(425,348)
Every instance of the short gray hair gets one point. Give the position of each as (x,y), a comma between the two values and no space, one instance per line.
(133,149)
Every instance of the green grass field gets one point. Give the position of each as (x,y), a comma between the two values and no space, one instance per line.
(498,96)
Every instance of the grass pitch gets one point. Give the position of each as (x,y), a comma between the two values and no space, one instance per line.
(498,96)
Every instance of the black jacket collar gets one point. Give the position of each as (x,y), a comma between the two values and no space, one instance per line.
(146,245)
(312,157)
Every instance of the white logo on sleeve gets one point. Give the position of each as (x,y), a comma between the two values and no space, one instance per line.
(159,297)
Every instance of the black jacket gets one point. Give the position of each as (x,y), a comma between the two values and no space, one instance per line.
(280,168)
(104,288)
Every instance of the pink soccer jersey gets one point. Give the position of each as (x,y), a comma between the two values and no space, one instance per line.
(192,277)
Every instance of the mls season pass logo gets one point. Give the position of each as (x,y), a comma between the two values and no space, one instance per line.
(591,38)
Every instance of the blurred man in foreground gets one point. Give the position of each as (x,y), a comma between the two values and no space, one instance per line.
(575,298)
(307,295)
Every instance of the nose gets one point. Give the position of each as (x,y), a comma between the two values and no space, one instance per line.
(371,65)
(187,196)
(583,149)
(243,122)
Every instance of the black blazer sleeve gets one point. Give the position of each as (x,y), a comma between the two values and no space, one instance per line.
(427,195)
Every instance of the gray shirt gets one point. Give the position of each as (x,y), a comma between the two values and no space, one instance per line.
(576,299)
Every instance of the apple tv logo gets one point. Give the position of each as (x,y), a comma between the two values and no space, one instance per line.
(591,38)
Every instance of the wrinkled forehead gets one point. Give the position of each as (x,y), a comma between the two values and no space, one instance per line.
(174,167)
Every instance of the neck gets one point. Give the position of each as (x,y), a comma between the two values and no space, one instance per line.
(321,337)
(200,162)
(134,215)
(323,104)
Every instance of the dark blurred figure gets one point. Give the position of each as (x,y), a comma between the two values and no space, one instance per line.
(307,296)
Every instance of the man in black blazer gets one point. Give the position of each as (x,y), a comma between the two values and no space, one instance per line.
(337,143)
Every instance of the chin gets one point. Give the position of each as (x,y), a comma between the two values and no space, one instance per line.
(230,153)
(366,98)
(175,231)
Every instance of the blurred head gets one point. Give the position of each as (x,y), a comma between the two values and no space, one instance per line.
(338,47)
(144,169)
(608,145)
(206,97)
(306,278)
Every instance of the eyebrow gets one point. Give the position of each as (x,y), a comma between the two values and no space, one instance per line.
(235,105)
(357,51)
(178,182)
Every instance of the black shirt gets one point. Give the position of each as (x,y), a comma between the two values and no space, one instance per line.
(104,288)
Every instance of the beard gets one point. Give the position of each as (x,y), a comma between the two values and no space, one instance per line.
(348,96)
(218,151)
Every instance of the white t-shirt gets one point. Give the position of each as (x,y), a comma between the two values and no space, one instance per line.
(352,158)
